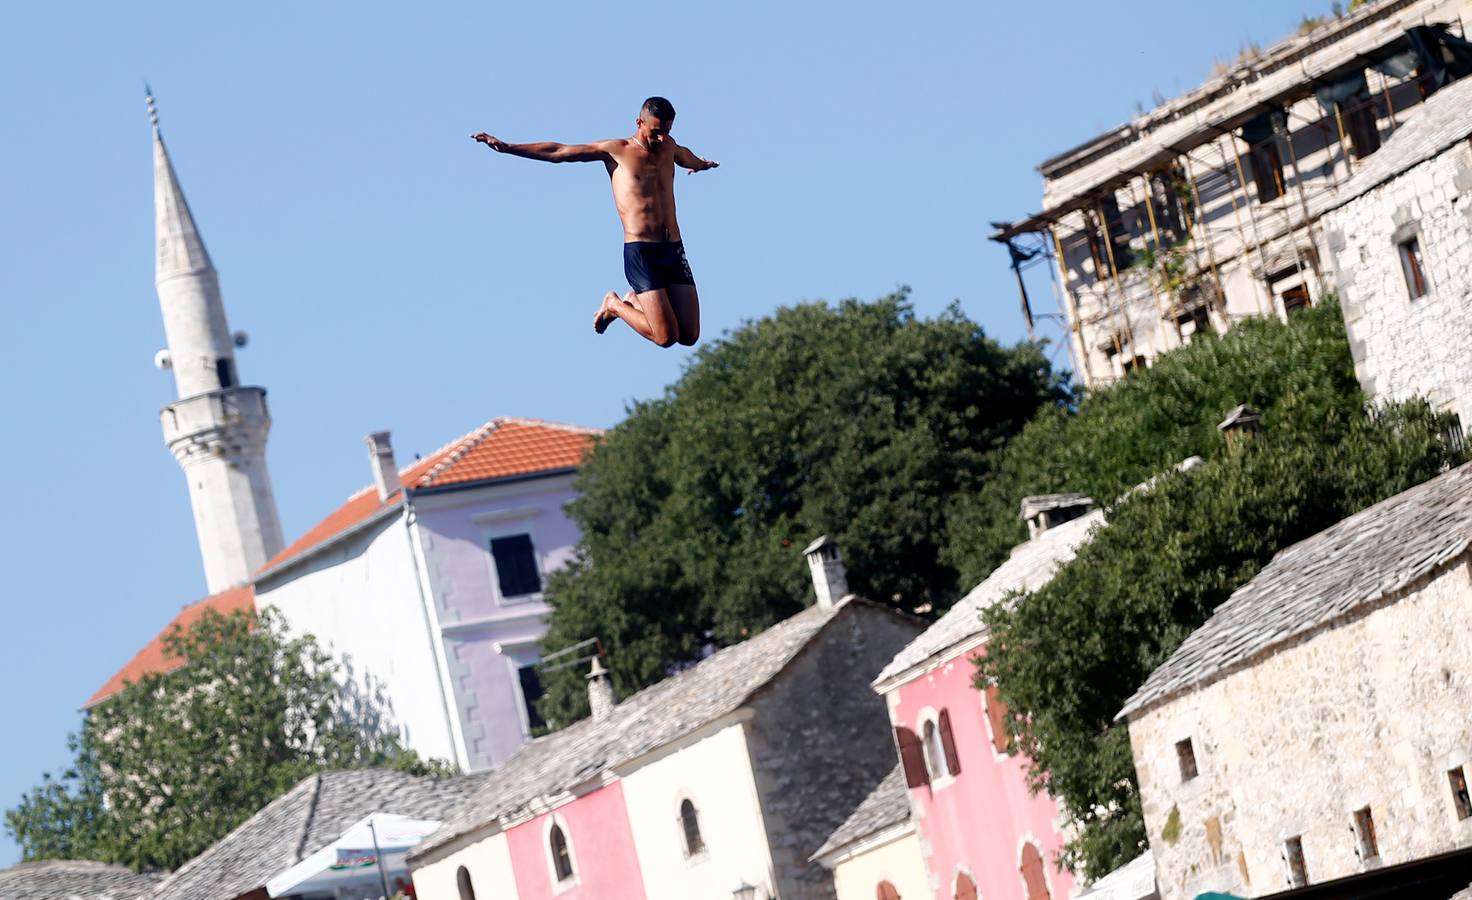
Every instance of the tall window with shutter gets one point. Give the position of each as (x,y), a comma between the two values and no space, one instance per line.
(935,756)
(996,716)
(912,757)
(1032,873)
(948,744)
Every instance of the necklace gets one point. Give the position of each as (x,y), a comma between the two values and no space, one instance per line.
(641,143)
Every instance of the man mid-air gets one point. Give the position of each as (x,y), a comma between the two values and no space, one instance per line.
(663,305)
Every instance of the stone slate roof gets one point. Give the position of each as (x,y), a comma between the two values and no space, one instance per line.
(1027,569)
(888,805)
(302,821)
(74,879)
(1439,123)
(580,753)
(1361,561)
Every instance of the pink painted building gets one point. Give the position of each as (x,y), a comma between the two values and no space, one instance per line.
(580,851)
(982,832)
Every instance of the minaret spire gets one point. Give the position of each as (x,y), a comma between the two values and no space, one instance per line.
(217,428)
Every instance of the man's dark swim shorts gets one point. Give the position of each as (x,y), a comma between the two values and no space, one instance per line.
(653,265)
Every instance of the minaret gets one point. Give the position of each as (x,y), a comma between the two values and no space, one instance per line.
(217,428)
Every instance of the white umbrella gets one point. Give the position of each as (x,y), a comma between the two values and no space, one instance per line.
(354,858)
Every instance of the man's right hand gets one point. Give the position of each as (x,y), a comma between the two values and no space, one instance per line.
(494,143)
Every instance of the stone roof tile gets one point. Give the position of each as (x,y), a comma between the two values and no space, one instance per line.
(1355,564)
(888,805)
(74,879)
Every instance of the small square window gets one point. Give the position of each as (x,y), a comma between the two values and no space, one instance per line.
(1186,756)
(1460,800)
(1413,267)
(516,565)
(1364,832)
(1297,868)
(1295,299)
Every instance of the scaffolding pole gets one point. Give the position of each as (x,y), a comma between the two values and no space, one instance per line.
(1124,302)
(1262,260)
(1071,308)
(1159,250)
(1216,274)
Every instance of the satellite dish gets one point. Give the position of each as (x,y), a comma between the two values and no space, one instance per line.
(241,339)
(163,360)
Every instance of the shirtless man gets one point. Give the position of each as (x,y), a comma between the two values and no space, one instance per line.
(663,305)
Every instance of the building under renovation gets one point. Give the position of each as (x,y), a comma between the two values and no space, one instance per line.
(1206,209)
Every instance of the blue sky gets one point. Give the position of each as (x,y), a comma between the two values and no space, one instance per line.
(393,275)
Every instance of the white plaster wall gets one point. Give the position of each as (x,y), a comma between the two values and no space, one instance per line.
(361,598)
(1371,713)
(489,863)
(715,774)
(1404,347)
(897,861)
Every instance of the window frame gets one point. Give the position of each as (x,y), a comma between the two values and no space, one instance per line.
(932,748)
(1461,800)
(1413,264)
(1296,861)
(536,558)
(573,879)
(1189,755)
(1367,844)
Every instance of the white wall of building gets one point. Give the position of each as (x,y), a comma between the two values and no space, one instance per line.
(489,863)
(362,598)
(893,857)
(714,772)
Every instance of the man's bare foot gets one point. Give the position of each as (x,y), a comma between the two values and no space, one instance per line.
(604,317)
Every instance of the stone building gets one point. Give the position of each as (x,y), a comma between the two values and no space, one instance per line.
(1399,236)
(1319,725)
(731,773)
(1206,208)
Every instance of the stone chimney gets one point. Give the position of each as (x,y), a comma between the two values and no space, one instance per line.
(830,581)
(385,471)
(1044,511)
(1240,424)
(601,698)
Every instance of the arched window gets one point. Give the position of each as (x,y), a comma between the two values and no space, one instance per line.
(965,887)
(886,891)
(1032,873)
(935,754)
(690,826)
(462,881)
(561,857)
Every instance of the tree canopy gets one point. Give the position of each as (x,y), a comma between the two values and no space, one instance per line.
(185,756)
(1066,657)
(857,420)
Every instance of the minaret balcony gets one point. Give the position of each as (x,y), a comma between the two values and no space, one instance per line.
(217,423)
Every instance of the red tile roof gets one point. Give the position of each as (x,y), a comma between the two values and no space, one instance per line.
(152,659)
(501,448)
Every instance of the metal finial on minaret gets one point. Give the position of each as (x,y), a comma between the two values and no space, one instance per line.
(152,109)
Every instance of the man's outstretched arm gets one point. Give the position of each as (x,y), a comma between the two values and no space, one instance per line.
(683,157)
(548,151)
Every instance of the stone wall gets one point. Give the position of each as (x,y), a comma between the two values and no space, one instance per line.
(1404,347)
(1371,713)
(820,741)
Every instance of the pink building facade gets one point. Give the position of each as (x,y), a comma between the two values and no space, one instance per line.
(982,832)
(600,862)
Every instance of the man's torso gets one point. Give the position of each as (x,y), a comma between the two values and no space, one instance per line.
(643,183)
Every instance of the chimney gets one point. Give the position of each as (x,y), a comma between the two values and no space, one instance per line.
(385,472)
(601,698)
(1241,424)
(1044,511)
(830,582)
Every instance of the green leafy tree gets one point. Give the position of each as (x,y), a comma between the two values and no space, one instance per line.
(855,419)
(1066,657)
(176,760)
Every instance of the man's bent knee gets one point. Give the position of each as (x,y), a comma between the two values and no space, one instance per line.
(690,338)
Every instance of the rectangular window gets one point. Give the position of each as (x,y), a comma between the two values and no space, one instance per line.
(1295,299)
(1297,868)
(1413,267)
(1463,803)
(1186,756)
(1364,831)
(516,565)
(1118,235)
(225,370)
(531,692)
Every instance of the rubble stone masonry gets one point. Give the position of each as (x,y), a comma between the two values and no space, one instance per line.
(1372,710)
(1404,347)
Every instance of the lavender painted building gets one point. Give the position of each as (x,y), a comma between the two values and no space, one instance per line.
(428,584)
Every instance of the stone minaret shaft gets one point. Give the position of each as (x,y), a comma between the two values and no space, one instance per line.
(217,428)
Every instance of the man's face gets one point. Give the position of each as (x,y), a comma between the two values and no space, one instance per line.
(653,131)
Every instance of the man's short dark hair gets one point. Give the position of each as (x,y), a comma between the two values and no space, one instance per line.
(660,108)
